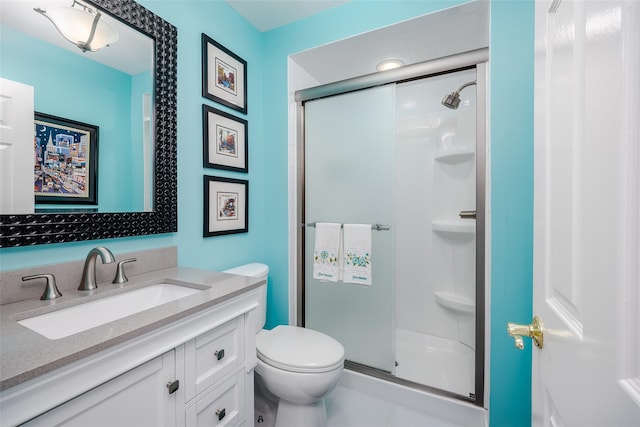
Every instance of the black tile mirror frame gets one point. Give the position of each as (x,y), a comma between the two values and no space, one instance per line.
(59,227)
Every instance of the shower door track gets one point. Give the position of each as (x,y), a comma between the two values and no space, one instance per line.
(387,376)
(468,60)
(446,64)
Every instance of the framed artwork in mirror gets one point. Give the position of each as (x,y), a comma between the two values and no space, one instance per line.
(65,161)
(226,206)
(224,75)
(225,140)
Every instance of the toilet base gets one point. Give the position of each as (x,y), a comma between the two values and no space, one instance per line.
(296,415)
(265,404)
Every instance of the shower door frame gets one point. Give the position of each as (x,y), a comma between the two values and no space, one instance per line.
(476,59)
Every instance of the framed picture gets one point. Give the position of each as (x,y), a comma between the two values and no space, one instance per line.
(224,75)
(225,141)
(65,161)
(226,206)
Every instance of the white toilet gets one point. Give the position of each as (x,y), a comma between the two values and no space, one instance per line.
(299,366)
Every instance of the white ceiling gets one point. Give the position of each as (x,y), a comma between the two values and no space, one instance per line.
(450,31)
(454,30)
(266,15)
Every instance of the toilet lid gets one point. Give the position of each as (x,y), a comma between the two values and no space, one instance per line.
(298,349)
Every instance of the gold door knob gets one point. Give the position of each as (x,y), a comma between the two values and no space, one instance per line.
(533,331)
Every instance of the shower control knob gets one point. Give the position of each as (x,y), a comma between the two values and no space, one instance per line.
(468,214)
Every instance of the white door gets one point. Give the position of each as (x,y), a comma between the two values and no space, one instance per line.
(586,198)
(16,148)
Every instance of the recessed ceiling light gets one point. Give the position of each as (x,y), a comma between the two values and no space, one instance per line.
(389,64)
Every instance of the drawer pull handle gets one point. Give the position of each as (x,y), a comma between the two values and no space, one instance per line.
(173,386)
(221,413)
(219,354)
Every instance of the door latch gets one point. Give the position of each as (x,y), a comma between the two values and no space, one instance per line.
(533,331)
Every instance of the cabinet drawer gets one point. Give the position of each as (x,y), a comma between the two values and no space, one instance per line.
(212,355)
(219,407)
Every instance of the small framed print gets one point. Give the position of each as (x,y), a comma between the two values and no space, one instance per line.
(224,75)
(65,161)
(225,140)
(226,206)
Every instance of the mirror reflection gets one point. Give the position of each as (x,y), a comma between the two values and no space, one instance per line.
(103,78)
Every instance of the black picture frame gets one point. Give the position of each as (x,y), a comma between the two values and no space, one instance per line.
(226,206)
(225,140)
(65,161)
(224,75)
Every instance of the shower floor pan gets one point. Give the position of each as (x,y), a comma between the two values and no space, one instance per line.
(437,362)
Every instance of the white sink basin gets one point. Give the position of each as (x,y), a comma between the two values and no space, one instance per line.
(69,321)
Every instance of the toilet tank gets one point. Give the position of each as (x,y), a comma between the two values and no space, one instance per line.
(260,271)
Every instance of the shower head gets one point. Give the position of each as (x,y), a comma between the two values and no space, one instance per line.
(452,100)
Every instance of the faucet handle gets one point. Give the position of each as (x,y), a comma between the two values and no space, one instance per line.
(120,276)
(51,290)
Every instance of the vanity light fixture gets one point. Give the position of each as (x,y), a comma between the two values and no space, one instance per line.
(81,25)
(389,64)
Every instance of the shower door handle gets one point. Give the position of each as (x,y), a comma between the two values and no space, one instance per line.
(467,214)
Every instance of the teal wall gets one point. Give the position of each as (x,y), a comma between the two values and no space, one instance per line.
(511,62)
(511,114)
(224,25)
(84,97)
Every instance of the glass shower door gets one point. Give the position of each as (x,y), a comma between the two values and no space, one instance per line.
(435,233)
(349,178)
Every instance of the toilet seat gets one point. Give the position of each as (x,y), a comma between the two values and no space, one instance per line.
(297,349)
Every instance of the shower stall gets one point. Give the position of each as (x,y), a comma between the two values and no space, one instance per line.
(404,151)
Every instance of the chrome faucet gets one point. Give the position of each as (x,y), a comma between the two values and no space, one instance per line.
(88,281)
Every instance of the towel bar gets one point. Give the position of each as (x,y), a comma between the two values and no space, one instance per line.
(376,227)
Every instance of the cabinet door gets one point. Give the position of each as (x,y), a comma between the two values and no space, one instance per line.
(138,398)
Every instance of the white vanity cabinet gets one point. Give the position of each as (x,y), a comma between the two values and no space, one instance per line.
(136,398)
(209,355)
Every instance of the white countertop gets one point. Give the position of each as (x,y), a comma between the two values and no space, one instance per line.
(25,354)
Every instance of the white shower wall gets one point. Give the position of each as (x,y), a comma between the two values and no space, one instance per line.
(435,248)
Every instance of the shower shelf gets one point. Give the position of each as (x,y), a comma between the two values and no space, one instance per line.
(455,154)
(455,302)
(456,227)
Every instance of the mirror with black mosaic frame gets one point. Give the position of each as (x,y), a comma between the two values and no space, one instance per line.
(58,226)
